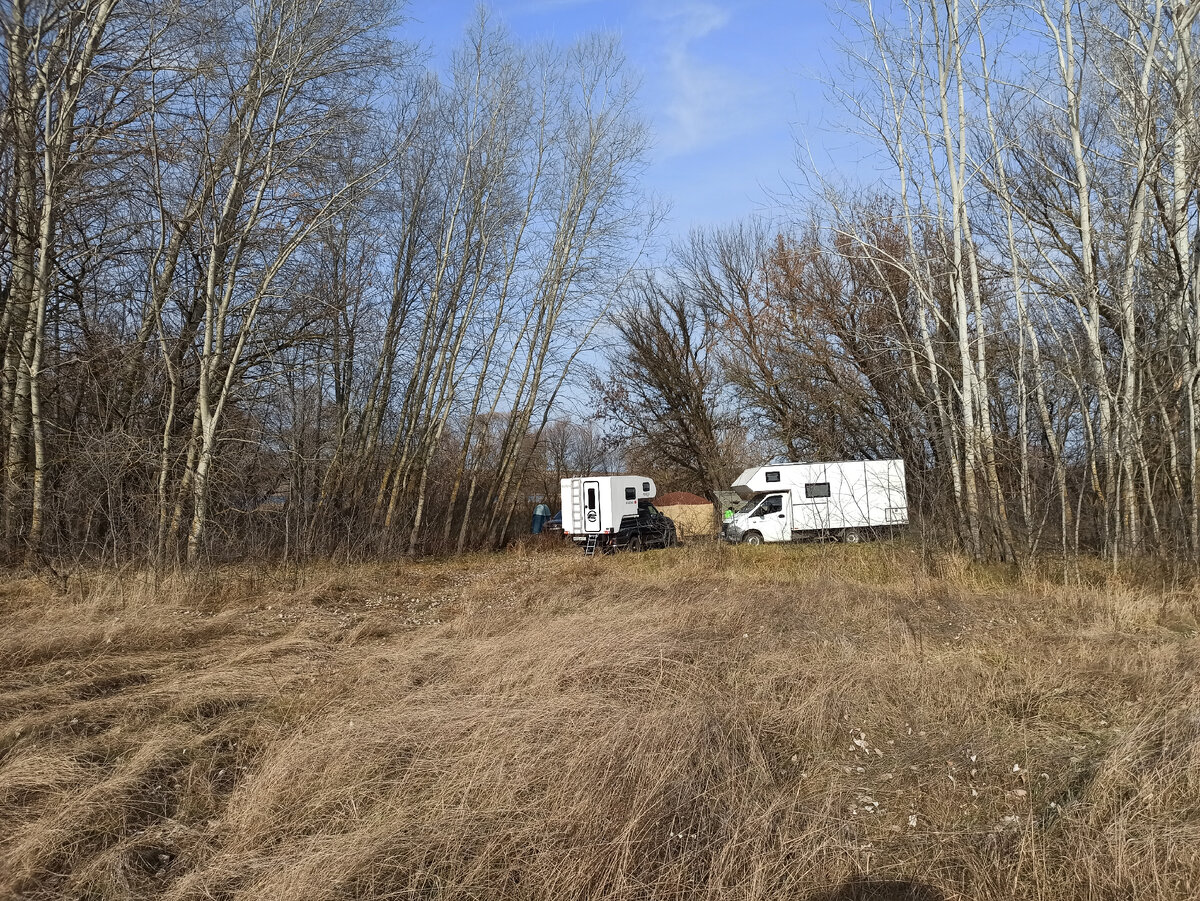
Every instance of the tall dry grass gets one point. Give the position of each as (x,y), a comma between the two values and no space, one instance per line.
(815,722)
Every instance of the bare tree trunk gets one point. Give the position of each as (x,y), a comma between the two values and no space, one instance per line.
(1063,36)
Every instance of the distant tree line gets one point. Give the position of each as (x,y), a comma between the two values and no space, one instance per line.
(268,286)
(1014,309)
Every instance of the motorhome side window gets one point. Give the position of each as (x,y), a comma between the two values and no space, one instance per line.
(773,504)
(631,494)
(773,476)
(816,489)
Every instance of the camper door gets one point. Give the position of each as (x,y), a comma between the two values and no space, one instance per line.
(591,506)
(810,501)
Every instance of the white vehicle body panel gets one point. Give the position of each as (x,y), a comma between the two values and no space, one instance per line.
(595,505)
(820,498)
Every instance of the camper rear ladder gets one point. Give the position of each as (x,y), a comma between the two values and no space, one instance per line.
(576,505)
(589,549)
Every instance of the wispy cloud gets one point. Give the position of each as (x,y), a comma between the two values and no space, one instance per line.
(545,6)
(705,99)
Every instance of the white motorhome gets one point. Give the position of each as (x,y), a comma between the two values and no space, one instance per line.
(614,512)
(848,500)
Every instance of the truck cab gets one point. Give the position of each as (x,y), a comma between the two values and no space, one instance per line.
(764,517)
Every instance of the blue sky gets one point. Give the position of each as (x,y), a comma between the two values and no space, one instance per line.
(728,86)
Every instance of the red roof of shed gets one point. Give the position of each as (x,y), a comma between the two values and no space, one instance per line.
(680,499)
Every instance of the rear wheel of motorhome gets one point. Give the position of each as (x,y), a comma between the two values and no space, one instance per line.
(852,536)
(634,544)
(752,538)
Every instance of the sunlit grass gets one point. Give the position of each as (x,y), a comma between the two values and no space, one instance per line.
(706,722)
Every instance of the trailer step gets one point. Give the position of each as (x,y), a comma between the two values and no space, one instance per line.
(589,549)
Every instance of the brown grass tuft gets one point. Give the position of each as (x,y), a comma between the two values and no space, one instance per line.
(817,722)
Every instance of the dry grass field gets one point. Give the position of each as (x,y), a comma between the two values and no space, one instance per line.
(815,722)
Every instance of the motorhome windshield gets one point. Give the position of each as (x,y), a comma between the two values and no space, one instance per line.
(751,506)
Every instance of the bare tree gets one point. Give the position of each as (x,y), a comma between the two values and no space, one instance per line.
(664,393)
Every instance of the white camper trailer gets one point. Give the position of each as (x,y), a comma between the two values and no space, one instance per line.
(849,501)
(614,512)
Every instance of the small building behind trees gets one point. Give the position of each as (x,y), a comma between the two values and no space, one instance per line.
(693,514)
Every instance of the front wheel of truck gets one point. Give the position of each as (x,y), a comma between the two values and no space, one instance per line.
(752,538)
